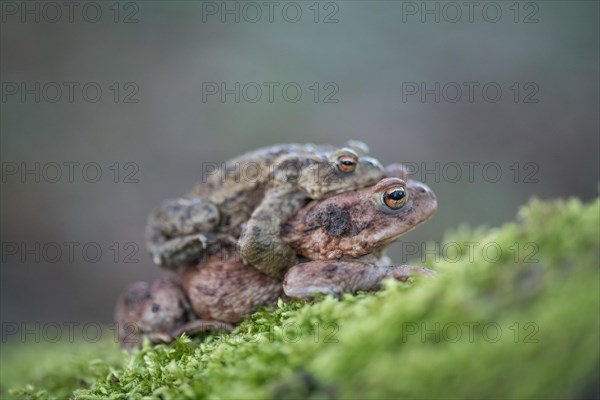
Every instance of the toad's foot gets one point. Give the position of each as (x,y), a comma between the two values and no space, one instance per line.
(175,231)
(337,277)
(180,251)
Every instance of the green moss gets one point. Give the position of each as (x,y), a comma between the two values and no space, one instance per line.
(54,370)
(523,324)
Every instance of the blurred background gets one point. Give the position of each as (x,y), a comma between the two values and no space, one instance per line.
(110,108)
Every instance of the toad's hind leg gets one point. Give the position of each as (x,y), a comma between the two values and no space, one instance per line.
(337,277)
(260,242)
(175,231)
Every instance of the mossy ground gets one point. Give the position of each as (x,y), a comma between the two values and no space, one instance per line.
(520,325)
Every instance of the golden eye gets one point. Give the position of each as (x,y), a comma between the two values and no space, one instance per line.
(395,197)
(346,163)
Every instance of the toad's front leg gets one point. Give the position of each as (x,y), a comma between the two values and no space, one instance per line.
(260,243)
(337,277)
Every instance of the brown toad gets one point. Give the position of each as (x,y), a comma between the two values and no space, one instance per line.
(250,197)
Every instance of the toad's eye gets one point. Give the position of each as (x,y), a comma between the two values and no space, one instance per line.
(346,163)
(395,197)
